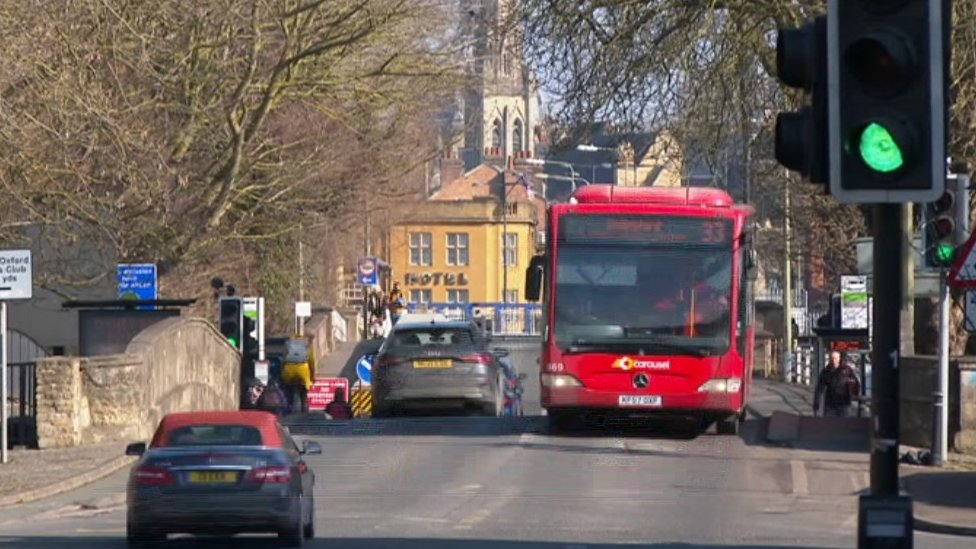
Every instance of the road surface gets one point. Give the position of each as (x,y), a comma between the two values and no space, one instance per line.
(473,483)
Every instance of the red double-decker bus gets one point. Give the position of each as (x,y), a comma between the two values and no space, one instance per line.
(648,305)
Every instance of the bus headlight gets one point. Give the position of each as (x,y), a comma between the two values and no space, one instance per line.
(729,385)
(560,380)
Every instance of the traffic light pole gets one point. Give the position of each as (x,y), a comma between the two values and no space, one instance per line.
(940,415)
(885,517)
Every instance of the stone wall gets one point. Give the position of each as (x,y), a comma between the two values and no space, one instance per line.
(178,364)
(918,378)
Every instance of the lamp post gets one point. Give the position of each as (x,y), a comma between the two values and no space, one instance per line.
(574,175)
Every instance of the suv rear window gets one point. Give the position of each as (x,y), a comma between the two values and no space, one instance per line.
(431,336)
(214,435)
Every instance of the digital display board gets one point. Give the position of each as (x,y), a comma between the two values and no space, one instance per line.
(645,228)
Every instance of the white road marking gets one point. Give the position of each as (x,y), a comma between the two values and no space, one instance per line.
(798,472)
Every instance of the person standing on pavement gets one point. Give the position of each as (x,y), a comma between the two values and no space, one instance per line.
(838,386)
(396,303)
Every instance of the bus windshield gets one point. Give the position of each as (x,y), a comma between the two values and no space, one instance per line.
(633,293)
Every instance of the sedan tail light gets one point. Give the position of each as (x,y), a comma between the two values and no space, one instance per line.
(148,475)
(483,358)
(270,475)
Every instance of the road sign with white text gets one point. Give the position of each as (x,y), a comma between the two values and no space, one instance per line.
(137,281)
(16,275)
(963,272)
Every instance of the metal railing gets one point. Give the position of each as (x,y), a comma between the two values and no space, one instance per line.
(22,402)
(507,319)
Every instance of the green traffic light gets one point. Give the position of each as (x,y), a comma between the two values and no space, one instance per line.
(879,150)
(945,253)
(232,341)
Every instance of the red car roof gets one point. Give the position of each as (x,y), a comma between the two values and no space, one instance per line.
(264,422)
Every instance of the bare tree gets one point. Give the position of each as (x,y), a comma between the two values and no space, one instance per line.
(194,133)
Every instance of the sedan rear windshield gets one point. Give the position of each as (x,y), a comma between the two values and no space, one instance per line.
(215,435)
(431,337)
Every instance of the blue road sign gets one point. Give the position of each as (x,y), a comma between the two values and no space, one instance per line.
(364,370)
(368,269)
(137,281)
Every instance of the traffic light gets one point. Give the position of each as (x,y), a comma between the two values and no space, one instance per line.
(944,225)
(232,320)
(801,136)
(887,100)
(250,347)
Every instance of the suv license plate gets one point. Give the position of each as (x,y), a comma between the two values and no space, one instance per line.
(639,400)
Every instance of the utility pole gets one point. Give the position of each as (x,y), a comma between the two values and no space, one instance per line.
(787,287)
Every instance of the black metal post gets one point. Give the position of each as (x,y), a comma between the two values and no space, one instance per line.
(885,517)
(887,333)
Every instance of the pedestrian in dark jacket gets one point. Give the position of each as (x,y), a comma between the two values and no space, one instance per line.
(339,408)
(838,386)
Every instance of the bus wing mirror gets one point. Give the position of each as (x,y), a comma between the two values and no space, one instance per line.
(533,278)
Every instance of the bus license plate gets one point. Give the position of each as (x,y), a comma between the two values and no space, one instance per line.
(639,400)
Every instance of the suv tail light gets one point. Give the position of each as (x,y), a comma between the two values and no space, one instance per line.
(483,358)
(270,475)
(148,475)
(387,361)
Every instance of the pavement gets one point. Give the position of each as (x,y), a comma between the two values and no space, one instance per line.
(31,475)
(944,499)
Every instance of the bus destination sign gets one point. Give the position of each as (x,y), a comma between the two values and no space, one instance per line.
(645,229)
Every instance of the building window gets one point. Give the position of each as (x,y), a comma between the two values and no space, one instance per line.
(496,133)
(457,248)
(517,144)
(421,296)
(510,249)
(458,296)
(420,250)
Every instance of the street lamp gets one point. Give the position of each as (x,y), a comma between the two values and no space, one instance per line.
(545,177)
(593,148)
(540,162)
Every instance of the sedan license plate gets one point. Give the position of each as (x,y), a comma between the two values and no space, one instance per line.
(432,363)
(213,477)
(639,400)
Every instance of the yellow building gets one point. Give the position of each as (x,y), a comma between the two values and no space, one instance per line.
(462,246)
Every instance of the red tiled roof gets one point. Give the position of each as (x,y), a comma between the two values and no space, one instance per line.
(474,184)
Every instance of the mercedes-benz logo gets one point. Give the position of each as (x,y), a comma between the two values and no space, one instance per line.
(641,381)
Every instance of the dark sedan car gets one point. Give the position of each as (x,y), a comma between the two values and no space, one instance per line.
(438,364)
(220,473)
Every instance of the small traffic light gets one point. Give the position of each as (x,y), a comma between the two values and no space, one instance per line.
(940,226)
(801,136)
(944,224)
(887,100)
(232,320)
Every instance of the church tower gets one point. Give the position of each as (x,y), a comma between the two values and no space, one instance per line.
(500,110)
